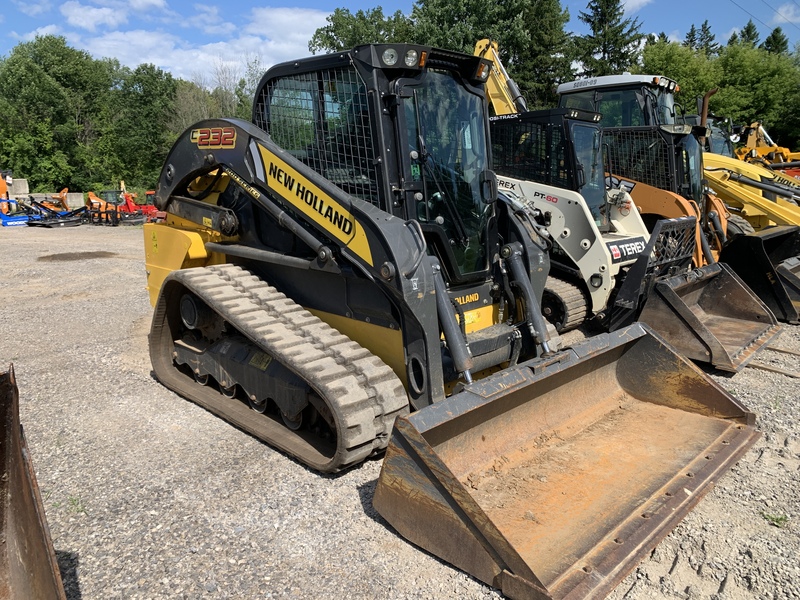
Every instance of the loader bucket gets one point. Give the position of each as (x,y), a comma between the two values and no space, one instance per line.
(768,261)
(710,315)
(554,478)
(28,567)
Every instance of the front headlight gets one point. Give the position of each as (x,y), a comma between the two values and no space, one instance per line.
(390,57)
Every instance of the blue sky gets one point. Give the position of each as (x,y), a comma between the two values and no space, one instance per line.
(189,38)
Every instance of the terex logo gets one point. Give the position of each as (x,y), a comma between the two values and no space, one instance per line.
(628,250)
(505,184)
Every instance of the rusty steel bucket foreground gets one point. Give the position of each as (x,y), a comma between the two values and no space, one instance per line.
(28,567)
(555,478)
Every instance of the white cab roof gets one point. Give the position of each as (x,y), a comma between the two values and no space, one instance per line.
(604,81)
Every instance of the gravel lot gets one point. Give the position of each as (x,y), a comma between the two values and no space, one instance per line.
(149,496)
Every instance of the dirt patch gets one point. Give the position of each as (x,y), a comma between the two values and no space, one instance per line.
(70,256)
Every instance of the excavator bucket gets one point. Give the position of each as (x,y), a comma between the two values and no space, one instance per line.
(708,314)
(768,261)
(28,567)
(553,479)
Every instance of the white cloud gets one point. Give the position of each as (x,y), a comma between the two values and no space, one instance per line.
(276,34)
(41,31)
(726,36)
(786,14)
(632,6)
(135,47)
(89,17)
(208,20)
(138,5)
(33,8)
(289,28)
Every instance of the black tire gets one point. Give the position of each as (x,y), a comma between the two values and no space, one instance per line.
(738,225)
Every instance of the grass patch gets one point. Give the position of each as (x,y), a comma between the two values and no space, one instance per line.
(776,520)
(76,504)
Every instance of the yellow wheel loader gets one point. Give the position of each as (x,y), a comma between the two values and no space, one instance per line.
(345,260)
(649,143)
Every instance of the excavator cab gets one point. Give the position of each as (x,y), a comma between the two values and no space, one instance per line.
(347,259)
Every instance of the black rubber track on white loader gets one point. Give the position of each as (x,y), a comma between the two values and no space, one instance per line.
(362,392)
(564,304)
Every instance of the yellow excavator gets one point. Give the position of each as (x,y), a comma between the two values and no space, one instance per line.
(649,142)
(341,278)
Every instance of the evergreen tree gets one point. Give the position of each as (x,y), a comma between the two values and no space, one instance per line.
(706,40)
(776,42)
(655,39)
(691,40)
(749,34)
(613,44)
(546,60)
(734,39)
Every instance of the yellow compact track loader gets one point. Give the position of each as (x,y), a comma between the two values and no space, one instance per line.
(649,143)
(345,260)
(28,566)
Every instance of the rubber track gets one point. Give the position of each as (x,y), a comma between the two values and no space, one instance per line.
(364,394)
(573,302)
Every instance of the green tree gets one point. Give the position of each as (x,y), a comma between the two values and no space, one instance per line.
(695,72)
(613,44)
(776,42)
(749,34)
(144,105)
(346,30)
(654,39)
(546,59)
(52,104)
(758,85)
(690,41)
(459,25)
(706,40)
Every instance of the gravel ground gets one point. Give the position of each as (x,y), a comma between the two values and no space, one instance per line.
(149,496)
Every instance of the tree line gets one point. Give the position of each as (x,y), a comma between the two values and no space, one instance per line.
(70,120)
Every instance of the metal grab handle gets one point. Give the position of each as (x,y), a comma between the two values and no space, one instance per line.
(416,229)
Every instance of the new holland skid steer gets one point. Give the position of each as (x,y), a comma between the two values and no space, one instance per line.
(345,260)
(649,142)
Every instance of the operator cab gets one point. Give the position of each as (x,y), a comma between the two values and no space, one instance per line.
(624,100)
(403,127)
